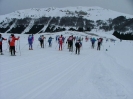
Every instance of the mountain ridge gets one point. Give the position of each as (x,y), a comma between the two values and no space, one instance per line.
(40,12)
(40,20)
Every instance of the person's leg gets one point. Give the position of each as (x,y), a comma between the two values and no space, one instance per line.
(14,50)
(31,46)
(11,48)
(1,48)
(61,46)
(76,50)
(72,46)
(42,44)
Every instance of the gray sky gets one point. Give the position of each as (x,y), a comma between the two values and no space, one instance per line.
(8,6)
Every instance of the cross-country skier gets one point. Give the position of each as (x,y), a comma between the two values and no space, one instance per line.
(99,43)
(41,39)
(12,44)
(60,41)
(86,38)
(30,41)
(1,39)
(78,44)
(70,41)
(50,41)
(93,42)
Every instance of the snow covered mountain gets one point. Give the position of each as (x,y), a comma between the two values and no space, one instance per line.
(91,13)
(40,20)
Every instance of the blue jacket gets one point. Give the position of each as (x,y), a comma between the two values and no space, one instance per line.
(50,39)
(93,40)
(30,39)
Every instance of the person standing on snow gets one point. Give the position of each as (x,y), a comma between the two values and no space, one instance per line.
(30,41)
(60,41)
(93,42)
(1,39)
(99,43)
(42,41)
(12,44)
(70,39)
(86,38)
(49,41)
(78,44)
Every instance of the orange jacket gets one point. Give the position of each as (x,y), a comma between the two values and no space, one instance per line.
(12,41)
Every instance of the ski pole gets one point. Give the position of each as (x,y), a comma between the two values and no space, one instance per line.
(73,51)
(19,47)
(7,46)
(16,45)
(64,46)
(24,46)
(56,46)
(38,44)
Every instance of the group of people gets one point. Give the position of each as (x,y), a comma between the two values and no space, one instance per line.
(70,42)
(93,40)
(41,39)
(60,39)
(11,42)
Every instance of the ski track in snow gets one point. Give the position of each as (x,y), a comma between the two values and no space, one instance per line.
(51,74)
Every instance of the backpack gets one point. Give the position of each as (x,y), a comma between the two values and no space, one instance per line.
(70,38)
(78,44)
(99,40)
(39,38)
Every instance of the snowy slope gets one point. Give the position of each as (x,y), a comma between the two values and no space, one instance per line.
(51,74)
(29,26)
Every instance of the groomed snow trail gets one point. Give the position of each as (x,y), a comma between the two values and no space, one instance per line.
(51,74)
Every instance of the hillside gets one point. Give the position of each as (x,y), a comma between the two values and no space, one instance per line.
(35,20)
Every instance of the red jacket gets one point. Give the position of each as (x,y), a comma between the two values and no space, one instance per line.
(1,40)
(12,41)
(60,39)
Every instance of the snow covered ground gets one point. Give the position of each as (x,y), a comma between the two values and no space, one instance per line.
(51,74)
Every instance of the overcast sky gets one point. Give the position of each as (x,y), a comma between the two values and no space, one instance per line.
(8,6)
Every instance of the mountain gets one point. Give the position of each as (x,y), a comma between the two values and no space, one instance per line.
(40,20)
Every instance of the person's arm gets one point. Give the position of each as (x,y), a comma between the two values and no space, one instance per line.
(17,38)
(4,38)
